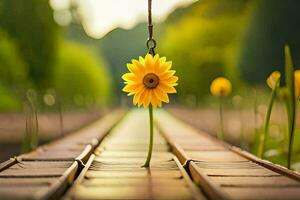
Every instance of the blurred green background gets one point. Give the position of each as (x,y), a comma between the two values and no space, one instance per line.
(61,66)
(239,39)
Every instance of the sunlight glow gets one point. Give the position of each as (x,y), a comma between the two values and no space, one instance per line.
(102,16)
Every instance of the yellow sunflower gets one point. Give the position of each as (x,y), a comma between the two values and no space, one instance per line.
(220,87)
(150,80)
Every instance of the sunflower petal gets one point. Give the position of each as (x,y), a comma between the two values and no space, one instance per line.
(163,59)
(131,87)
(158,101)
(129,77)
(148,61)
(162,95)
(141,59)
(156,64)
(166,66)
(153,99)
(167,88)
(147,99)
(132,68)
(142,97)
(140,68)
(137,97)
(171,80)
(131,93)
(167,74)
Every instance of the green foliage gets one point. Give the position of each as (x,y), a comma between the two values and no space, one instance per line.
(13,75)
(8,100)
(203,43)
(119,47)
(80,78)
(31,24)
(13,71)
(274,24)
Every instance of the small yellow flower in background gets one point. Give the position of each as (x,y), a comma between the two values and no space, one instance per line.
(220,87)
(273,79)
(150,80)
(297,83)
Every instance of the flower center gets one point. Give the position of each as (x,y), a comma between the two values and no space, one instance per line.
(151,80)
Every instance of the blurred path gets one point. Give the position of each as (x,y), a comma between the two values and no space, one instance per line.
(235,123)
(12,128)
(12,125)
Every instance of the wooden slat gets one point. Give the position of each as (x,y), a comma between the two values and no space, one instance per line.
(36,180)
(115,174)
(223,171)
(46,172)
(78,145)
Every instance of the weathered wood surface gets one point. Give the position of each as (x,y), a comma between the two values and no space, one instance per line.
(225,172)
(115,171)
(46,172)
(110,168)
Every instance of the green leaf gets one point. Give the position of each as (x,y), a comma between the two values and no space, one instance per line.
(291,101)
(289,71)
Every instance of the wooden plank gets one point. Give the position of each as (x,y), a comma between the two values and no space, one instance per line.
(8,163)
(277,181)
(213,191)
(115,174)
(56,155)
(46,172)
(135,154)
(133,173)
(36,169)
(36,180)
(216,156)
(249,193)
(134,183)
(267,164)
(78,145)
(223,171)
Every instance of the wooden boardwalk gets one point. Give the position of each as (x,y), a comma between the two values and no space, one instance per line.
(47,172)
(225,172)
(116,173)
(186,164)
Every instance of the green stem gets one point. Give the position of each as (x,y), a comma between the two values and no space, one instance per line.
(290,84)
(291,131)
(263,136)
(221,133)
(147,163)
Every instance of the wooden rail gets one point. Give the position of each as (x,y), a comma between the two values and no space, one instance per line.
(223,171)
(46,172)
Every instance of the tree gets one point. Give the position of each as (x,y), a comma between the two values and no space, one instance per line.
(31,24)
(81,78)
(274,24)
(203,43)
(13,70)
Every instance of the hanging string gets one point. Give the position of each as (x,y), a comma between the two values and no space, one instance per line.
(151,43)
